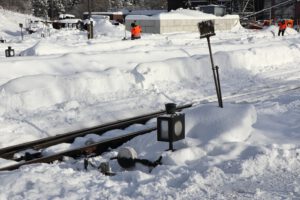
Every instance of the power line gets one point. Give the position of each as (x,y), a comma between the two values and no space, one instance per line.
(275,6)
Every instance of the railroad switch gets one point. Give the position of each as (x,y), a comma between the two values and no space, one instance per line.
(29,156)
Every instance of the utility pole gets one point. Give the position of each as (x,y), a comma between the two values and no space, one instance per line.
(89,9)
(90,24)
(51,10)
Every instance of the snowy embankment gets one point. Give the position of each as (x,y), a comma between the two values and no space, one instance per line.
(88,84)
(202,145)
(9,26)
(247,150)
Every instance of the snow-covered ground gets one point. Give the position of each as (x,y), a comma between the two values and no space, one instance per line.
(247,150)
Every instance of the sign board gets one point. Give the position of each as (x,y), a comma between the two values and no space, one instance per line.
(206,28)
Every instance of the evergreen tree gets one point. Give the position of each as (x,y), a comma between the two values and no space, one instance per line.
(52,8)
(40,7)
(55,8)
(23,6)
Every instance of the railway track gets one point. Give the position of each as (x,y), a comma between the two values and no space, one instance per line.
(250,96)
(96,148)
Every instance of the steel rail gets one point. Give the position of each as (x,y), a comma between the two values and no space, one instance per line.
(93,149)
(102,146)
(8,152)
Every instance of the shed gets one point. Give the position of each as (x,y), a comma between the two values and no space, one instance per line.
(217,10)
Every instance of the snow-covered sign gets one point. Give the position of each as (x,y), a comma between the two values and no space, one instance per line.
(33,26)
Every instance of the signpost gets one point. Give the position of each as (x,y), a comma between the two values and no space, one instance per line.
(21,26)
(207,29)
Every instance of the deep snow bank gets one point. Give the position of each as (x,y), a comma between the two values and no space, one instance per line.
(48,47)
(255,59)
(205,125)
(212,124)
(33,92)
(44,48)
(18,94)
(105,27)
(9,26)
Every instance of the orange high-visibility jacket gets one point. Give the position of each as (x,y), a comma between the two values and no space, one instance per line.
(136,31)
(282,26)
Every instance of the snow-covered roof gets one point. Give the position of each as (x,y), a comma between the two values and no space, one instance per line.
(64,16)
(180,14)
(105,13)
(69,21)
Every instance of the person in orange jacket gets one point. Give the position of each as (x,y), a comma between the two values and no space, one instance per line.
(135,31)
(282,27)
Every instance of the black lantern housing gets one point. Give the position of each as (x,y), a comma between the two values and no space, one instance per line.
(171,127)
(9,52)
(206,28)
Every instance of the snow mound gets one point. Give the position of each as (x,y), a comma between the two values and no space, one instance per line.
(209,129)
(9,26)
(209,123)
(254,59)
(177,69)
(32,92)
(44,47)
(105,27)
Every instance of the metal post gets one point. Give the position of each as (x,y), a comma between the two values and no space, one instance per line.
(125,37)
(214,73)
(89,30)
(171,145)
(90,25)
(22,33)
(219,87)
(92,30)
(21,26)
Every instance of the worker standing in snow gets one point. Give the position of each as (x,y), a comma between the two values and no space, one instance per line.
(282,27)
(135,31)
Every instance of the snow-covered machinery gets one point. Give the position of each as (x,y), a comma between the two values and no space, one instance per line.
(67,21)
(32,26)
